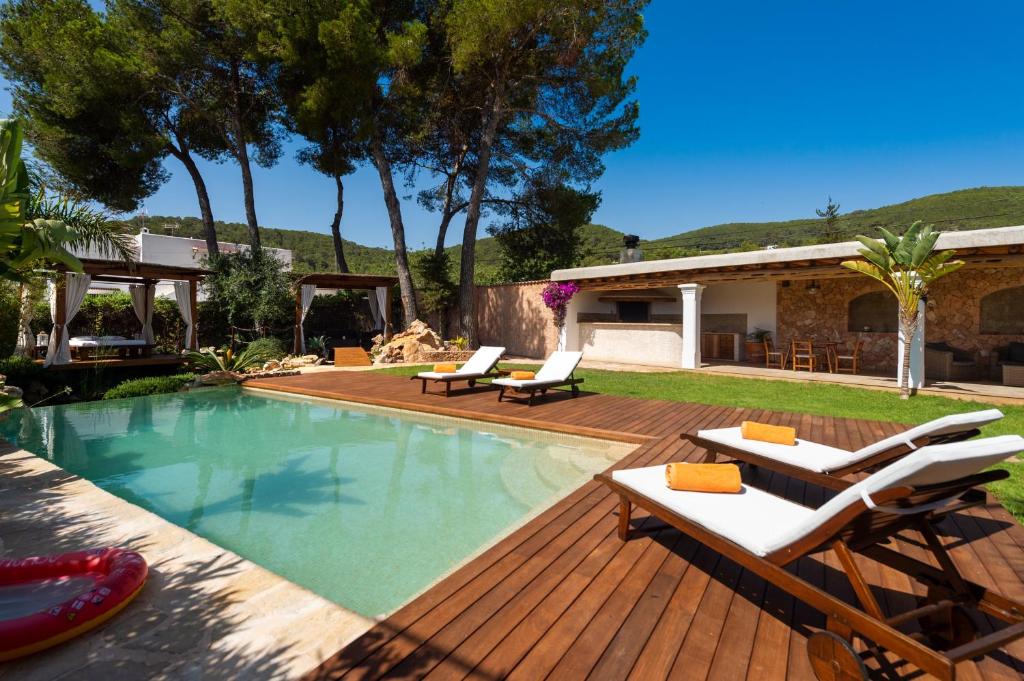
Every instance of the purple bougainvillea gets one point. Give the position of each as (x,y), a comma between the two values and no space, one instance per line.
(556,296)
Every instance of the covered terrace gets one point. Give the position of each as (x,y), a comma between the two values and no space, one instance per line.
(692,312)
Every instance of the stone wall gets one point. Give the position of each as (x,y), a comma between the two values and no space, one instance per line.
(953,314)
(513,315)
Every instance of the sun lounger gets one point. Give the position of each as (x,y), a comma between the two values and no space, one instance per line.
(556,372)
(480,365)
(763,533)
(825,465)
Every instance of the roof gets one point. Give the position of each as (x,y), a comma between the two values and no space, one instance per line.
(114,270)
(990,246)
(335,280)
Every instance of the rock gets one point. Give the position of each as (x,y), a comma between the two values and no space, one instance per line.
(272,365)
(410,345)
(12,391)
(220,378)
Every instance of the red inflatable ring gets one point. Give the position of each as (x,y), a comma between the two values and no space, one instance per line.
(103,582)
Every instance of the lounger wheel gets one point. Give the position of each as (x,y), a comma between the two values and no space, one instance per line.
(472,383)
(833,658)
(575,390)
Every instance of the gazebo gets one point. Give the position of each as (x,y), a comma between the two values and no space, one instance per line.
(378,286)
(67,290)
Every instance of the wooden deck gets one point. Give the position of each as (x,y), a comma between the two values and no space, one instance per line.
(563,598)
(117,363)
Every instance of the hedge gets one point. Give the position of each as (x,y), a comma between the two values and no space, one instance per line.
(151,385)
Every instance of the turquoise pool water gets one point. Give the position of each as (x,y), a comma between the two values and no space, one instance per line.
(365,507)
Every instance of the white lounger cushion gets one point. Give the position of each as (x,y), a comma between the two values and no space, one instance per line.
(482,361)
(762,523)
(820,458)
(557,369)
(805,454)
(104,342)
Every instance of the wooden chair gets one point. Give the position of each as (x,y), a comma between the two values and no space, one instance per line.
(802,356)
(934,635)
(773,359)
(845,364)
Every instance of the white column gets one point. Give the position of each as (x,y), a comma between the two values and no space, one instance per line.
(691,325)
(916,353)
(569,334)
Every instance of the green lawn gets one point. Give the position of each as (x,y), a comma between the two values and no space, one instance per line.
(806,398)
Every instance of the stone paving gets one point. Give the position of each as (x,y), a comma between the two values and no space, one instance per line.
(204,614)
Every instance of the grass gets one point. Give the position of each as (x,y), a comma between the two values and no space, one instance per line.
(806,398)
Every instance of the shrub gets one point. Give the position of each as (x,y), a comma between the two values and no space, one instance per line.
(151,385)
(268,348)
(210,360)
(21,371)
(9,309)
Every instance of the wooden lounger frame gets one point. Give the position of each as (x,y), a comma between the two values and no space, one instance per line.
(860,529)
(542,389)
(448,380)
(833,479)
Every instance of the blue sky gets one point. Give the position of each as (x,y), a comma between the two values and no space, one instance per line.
(749,111)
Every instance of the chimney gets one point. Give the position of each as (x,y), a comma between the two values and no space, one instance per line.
(630,249)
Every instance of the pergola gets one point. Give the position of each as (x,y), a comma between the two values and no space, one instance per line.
(141,274)
(306,286)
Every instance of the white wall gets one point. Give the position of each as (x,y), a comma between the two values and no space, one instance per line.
(160,249)
(184,252)
(651,344)
(756,299)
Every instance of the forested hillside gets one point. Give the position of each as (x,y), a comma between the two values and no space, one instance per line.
(964,209)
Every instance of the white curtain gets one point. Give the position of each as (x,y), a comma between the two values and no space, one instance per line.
(142,302)
(76,286)
(378,301)
(184,300)
(307,292)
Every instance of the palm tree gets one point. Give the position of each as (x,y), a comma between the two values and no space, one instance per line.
(39,228)
(907,266)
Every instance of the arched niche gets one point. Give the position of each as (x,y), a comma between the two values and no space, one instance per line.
(874,312)
(1002,312)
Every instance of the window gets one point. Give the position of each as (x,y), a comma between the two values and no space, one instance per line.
(875,312)
(1001,312)
(634,311)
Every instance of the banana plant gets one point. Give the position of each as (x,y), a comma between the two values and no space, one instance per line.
(25,242)
(907,266)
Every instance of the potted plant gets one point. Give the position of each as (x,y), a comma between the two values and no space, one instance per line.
(753,347)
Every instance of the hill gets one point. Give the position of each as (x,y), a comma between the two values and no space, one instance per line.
(959,210)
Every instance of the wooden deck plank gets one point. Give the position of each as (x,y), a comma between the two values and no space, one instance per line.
(562,597)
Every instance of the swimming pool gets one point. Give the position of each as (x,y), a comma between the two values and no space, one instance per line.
(366,507)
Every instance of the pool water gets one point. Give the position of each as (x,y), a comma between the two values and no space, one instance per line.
(366,507)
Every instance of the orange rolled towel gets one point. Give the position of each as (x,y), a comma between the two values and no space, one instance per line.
(522,375)
(780,435)
(703,477)
(444,368)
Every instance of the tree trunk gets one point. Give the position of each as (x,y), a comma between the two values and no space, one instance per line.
(467,266)
(909,329)
(409,310)
(442,232)
(26,341)
(209,228)
(339,246)
(241,153)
